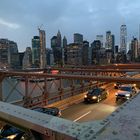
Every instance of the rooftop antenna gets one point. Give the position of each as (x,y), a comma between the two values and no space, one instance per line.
(39,27)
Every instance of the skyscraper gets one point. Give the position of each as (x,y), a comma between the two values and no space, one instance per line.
(85,51)
(64,55)
(64,42)
(134,49)
(100,37)
(36,51)
(27,59)
(42,36)
(57,49)
(78,38)
(108,40)
(123,38)
(113,43)
(58,39)
(8,53)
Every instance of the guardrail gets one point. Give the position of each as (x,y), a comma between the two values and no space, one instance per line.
(67,93)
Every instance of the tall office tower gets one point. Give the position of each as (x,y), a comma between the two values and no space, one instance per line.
(113,43)
(21,55)
(100,37)
(74,54)
(49,57)
(42,37)
(78,38)
(8,53)
(57,51)
(95,51)
(116,49)
(108,44)
(123,39)
(58,39)
(64,42)
(27,59)
(64,51)
(85,51)
(36,51)
(134,49)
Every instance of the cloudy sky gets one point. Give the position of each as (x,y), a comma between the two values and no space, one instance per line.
(19,19)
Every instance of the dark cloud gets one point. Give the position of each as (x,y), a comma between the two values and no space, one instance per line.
(19,19)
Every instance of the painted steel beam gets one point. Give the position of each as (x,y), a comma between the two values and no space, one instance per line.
(75,77)
(97,70)
(50,126)
(123,124)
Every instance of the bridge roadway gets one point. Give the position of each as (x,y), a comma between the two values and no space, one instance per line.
(59,128)
(83,112)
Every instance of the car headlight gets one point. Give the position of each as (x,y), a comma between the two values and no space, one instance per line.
(85,96)
(11,137)
(134,85)
(94,97)
(127,95)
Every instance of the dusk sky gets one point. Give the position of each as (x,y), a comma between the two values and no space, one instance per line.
(19,19)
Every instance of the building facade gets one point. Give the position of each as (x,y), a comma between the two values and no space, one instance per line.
(85,53)
(27,59)
(42,37)
(123,39)
(74,54)
(95,51)
(134,49)
(36,51)
(9,53)
(78,38)
(101,38)
(56,46)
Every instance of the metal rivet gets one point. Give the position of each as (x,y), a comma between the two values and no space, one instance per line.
(112,115)
(105,120)
(136,134)
(91,131)
(102,123)
(74,133)
(114,133)
(87,135)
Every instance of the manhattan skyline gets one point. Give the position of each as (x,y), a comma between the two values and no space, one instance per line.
(19,20)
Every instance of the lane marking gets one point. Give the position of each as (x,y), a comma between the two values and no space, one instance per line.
(81,116)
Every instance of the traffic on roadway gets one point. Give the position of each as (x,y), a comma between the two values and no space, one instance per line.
(99,103)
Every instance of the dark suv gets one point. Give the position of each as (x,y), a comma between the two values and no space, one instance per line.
(96,95)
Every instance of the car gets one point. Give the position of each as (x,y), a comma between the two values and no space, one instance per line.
(9,132)
(125,92)
(48,110)
(117,85)
(96,95)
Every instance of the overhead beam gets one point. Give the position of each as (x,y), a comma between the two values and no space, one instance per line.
(75,77)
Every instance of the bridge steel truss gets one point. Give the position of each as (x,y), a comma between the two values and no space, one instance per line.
(45,97)
(123,124)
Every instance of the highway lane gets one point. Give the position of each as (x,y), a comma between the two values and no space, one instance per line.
(84,112)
